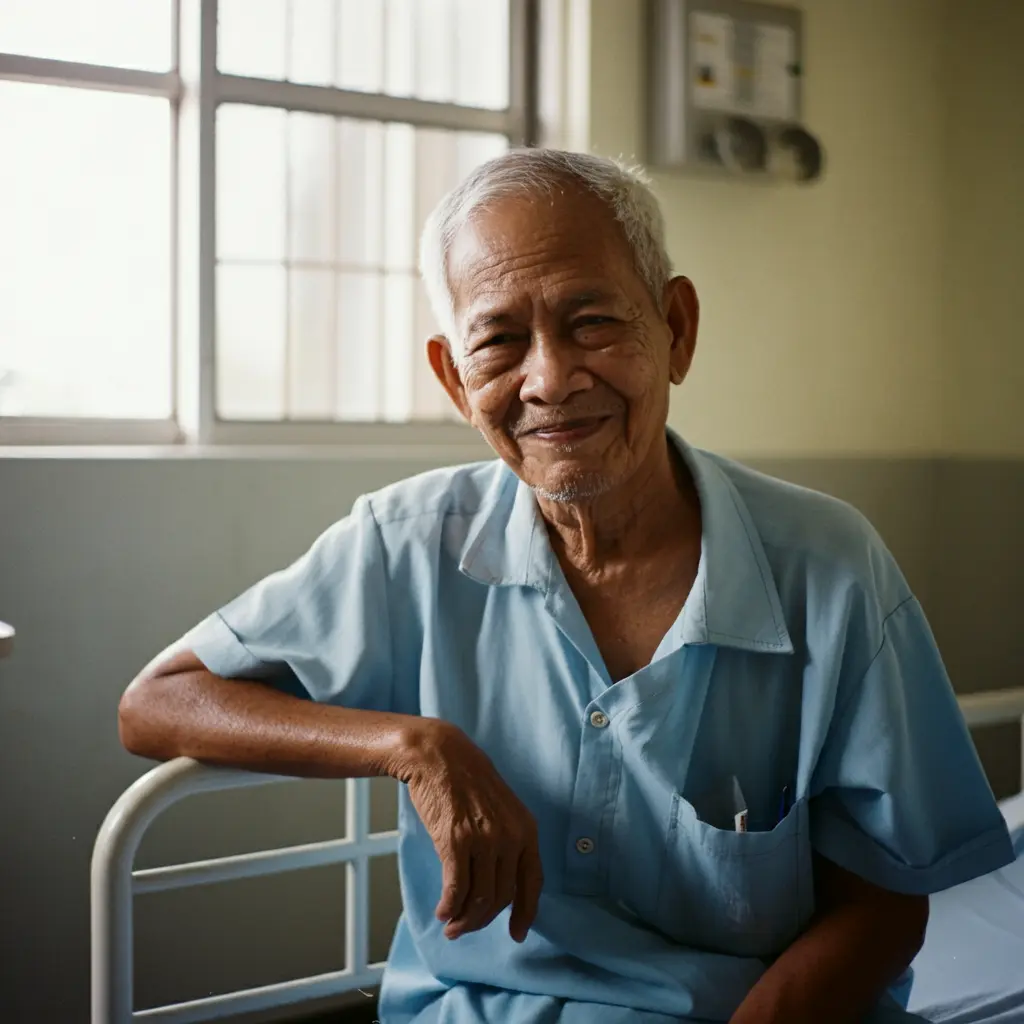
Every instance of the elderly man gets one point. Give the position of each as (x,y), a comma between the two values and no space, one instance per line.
(675,740)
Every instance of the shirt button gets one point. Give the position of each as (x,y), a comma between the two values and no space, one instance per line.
(585,845)
(598,719)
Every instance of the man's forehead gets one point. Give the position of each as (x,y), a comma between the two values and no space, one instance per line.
(575,243)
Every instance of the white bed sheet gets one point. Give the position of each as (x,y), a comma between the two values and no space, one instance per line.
(971,968)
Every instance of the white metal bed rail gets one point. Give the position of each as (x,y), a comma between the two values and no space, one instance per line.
(995,707)
(114,882)
(990,707)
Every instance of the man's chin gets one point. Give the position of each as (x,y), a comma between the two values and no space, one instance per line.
(572,488)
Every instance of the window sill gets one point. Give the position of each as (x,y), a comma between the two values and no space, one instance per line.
(141,439)
(427,453)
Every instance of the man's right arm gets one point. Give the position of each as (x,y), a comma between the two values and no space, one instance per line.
(486,839)
(176,707)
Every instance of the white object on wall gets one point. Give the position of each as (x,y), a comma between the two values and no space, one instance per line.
(725,90)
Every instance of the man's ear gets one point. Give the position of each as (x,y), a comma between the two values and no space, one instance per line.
(682,314)
(439,352)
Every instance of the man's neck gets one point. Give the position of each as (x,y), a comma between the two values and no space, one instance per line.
(656,505)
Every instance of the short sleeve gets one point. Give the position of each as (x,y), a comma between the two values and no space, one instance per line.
(899,796)
(318,628)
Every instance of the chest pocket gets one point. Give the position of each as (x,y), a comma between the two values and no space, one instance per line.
(742,893)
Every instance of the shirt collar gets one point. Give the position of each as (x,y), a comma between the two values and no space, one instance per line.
(734,601)
(507,544)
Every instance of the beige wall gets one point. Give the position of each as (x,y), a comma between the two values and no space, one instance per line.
(983,311)
(822,315)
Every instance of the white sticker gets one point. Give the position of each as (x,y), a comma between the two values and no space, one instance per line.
(711,58)
(774,81)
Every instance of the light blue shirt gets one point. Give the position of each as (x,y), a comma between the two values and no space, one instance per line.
(800,662)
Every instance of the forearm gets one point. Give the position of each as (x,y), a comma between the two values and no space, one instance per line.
(181,710)
(840,967)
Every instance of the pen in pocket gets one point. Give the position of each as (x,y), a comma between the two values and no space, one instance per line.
(739,807)
(783,803)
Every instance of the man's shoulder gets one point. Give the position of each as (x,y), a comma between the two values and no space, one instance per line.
(809,534)
(426,499)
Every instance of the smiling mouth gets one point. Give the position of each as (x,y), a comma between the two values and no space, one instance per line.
(569,430)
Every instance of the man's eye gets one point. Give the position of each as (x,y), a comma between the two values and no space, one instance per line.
(593,321)
(499,339)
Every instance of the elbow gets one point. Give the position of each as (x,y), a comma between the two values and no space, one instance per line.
(155,710)
(141,718)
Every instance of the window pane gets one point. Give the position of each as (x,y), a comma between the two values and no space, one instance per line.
(251,342)
(482,51)
(436,164)
(251,183)
(312,187)
(400,226)
(360,192)
(311,351)
(85,249)
(344,339)
(399,47)
(360,45)
(278,39)
(435,51)
(311,44)
(450,51)
(358,341)
(122,33)
(474,149)
(399,347)
(252,37)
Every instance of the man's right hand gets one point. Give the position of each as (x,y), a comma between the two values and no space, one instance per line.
(483,833)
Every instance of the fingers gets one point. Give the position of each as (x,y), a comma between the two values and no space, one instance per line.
(504,884)
(529,883)
(484,836)
(454,883)
(480,908)
(496,882)
(505,881)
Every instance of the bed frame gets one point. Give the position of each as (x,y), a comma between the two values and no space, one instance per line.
(115,883)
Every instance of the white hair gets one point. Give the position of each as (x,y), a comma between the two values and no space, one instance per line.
(623,189)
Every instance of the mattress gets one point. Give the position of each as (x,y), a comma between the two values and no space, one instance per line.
(971,967)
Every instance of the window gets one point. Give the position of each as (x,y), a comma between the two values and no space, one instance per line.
(211,209)
(87,95)
(317,291)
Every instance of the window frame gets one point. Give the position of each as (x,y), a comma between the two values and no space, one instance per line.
(58,430)
(195,88)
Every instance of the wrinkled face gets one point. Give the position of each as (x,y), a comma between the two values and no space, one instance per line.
(566,356)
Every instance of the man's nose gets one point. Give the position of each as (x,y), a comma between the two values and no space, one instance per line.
(552,371)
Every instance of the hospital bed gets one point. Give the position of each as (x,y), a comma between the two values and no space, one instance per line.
(970,971)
